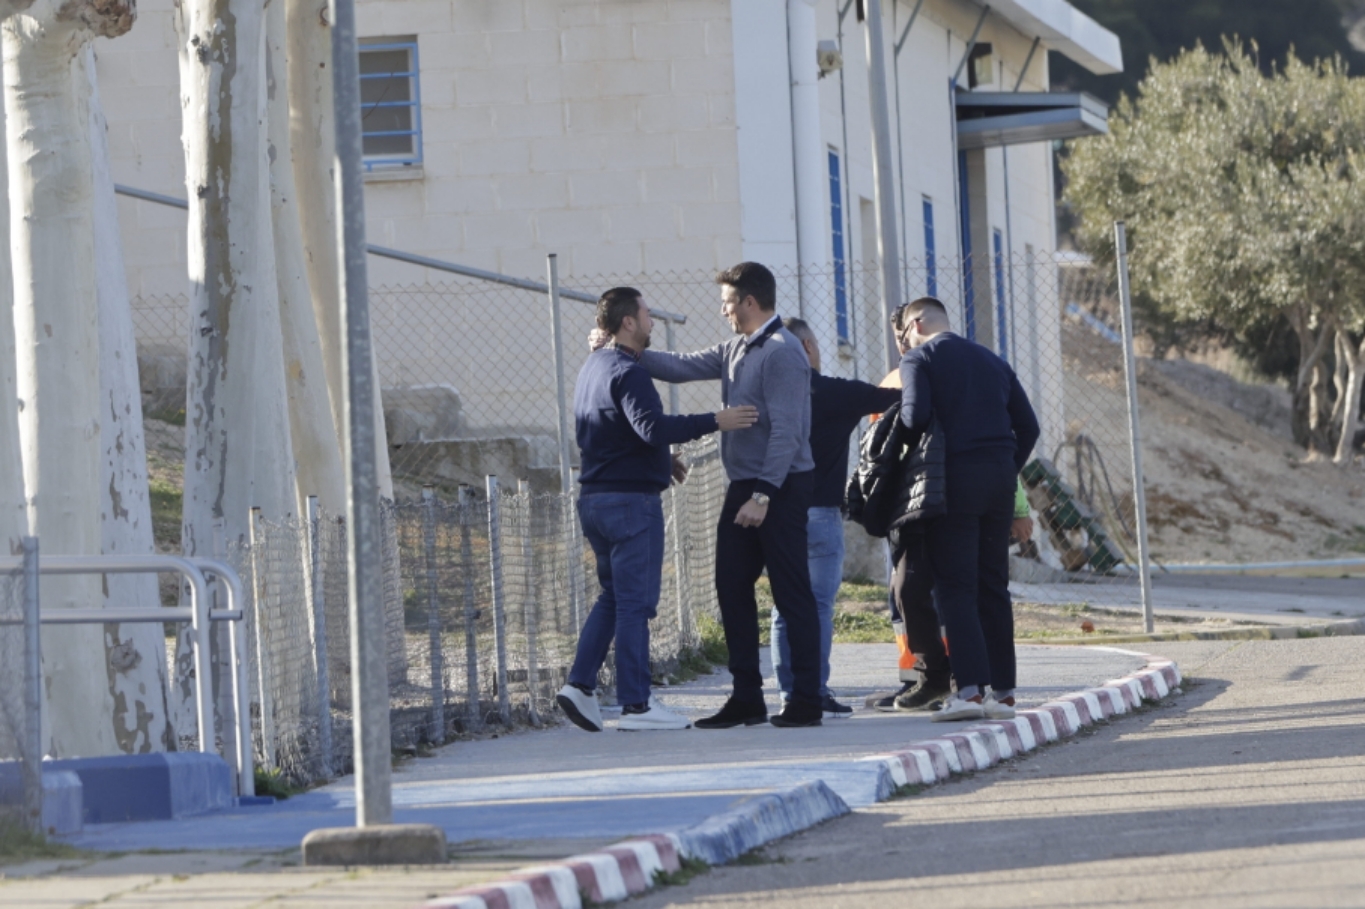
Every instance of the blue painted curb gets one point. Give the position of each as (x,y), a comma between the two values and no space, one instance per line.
(725,837)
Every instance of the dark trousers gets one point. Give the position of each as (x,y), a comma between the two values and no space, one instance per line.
(969,555)
(912,603)
(778,544)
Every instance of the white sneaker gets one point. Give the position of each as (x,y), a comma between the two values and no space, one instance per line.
(656,717)
(998,710)
(956,708)
(581,708)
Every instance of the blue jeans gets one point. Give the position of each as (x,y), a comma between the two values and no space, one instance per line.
(626,532)
(825,553)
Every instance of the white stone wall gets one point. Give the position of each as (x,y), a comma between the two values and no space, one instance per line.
(635,138)
(602,130)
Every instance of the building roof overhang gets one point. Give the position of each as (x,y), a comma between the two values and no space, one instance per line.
(1067,30)
(993,119)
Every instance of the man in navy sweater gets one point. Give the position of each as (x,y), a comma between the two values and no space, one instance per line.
(624,438)
(837,406)
(990,429)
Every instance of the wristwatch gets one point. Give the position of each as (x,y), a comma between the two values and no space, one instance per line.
(761,499)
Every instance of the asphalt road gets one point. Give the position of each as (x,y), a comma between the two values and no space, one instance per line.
(1246,790)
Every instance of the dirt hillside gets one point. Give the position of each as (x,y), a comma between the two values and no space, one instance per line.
(1220,487)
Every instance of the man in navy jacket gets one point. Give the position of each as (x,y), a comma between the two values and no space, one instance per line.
(624,438)
(990,429)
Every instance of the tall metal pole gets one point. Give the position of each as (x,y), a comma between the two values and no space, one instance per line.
(369,675)
(888,249)
(31,766)
(671,345)
(1134,430)
(561,393)
(900,132)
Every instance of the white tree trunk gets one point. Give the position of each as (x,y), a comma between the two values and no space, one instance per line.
(316,447)
(57,343)
(312,130)
(1350,414)
(238,445)
(135,652)
(238,451)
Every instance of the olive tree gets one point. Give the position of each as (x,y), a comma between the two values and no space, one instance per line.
(1242,193)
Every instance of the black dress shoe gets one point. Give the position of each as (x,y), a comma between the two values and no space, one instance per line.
(735,713)
(797,714)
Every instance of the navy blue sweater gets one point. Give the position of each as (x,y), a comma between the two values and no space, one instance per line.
(977,398)
(836,408)
(623,432)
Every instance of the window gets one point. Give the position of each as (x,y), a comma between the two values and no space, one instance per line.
(391,104)
(930,253)
(836,218)
(998,244)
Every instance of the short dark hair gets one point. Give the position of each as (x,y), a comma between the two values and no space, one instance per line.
(613,307)
(752,280)
(900,319)
(800,328)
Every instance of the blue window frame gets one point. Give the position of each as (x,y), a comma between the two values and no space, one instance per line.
(1001,330)
(836,219)
(390,104)
(930,252)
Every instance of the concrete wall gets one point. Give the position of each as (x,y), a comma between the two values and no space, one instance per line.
(602,130)
(645,139)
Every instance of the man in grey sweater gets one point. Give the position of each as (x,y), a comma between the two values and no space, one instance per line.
(771,471)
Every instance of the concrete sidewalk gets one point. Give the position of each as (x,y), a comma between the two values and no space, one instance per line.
(530,796)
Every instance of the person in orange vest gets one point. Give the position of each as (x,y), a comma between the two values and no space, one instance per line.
(922,663)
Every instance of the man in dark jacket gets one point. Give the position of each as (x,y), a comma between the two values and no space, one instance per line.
(837,406)
(624,436)
(990,430)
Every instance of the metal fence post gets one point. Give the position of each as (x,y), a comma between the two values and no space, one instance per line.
(471,612)
(679,563)
(256,529)
(438,686)
(530,614)
(561,392)
(670,344)
(319,591)
(31,762)
(575,557)
(499,605)
(1134,429)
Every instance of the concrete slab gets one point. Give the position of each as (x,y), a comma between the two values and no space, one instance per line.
(380,844)
(564,783)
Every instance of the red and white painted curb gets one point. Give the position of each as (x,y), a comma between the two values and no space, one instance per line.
(628,868)
(982,745)
(604,877)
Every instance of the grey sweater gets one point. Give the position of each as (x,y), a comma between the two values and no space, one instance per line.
(773,375)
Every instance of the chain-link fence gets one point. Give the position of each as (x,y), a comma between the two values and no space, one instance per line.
(21,796)
(483,604)
(484,600)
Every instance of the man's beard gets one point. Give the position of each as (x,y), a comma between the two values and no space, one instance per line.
(644,343)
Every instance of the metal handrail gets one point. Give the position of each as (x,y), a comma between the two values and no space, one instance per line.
(454,268)
(198,614)
(236,597)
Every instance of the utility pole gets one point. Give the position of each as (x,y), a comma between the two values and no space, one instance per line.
(888,248)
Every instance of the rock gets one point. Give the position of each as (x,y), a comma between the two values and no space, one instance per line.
(422,413)
(382,844)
